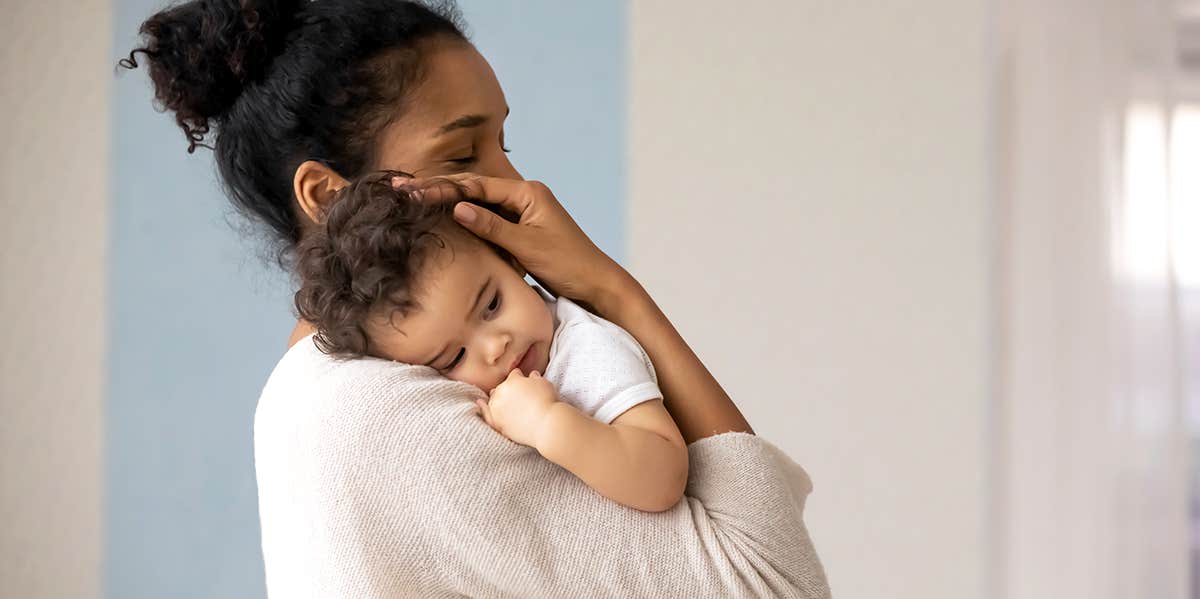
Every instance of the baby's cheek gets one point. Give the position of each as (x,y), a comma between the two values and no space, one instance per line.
(464,377)
(484,382)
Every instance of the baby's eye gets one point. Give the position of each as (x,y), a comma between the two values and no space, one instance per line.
(457,357)
(495,303)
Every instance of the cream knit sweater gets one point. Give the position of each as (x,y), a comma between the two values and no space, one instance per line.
(378,479)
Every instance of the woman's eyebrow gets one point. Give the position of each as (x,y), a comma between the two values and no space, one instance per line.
(462,122)
(466,122)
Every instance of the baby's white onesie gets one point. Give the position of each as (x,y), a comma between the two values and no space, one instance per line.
(594,364)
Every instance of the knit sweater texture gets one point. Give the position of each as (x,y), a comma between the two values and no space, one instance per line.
(380,479)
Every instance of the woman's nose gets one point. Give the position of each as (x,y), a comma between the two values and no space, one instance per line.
(503,167)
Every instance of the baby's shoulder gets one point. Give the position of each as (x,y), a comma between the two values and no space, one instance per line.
(581,329)
(576,321)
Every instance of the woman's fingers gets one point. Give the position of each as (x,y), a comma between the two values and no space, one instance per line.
(486,224)
(513,194)
(544,238)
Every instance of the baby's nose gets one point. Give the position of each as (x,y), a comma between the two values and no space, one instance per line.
(498,349)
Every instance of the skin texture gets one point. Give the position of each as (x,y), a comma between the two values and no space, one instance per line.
(548,241)
(460,83)
(476,318)
(459,88)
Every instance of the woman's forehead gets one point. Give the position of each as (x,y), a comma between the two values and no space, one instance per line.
(458,82)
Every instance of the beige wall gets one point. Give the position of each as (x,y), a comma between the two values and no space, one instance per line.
(54,106)
(808,203)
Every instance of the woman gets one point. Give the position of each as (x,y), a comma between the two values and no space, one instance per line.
(381,479)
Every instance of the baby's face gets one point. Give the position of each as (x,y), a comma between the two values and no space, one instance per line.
(477,319)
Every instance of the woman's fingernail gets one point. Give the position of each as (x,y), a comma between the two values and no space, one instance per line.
(417,195)
(464,213)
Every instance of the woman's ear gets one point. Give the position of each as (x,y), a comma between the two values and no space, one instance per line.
(314,186)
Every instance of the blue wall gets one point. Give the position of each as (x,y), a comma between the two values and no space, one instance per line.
(197,318)
(562,67)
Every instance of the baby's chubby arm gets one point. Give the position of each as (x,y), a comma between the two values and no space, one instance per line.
(640,460)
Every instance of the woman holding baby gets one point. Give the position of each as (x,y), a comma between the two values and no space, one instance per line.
(386,477)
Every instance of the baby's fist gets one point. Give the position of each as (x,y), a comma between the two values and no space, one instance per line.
(519,405)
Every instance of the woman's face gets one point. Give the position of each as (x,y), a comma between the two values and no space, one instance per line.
(454,120)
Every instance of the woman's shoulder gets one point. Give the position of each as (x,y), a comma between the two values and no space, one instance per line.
(345,454)
(320,394)
(305,369)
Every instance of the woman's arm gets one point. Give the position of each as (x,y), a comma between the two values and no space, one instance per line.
(548,242)
(504,522)
(519,527)
(695,399)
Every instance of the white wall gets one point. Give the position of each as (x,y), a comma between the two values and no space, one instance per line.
(809,204)
(54,111)
(1093,464)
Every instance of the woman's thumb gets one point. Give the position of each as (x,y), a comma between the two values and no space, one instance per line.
(482,222)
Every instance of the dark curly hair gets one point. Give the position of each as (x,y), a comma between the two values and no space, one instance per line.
(368,257)
(279,82)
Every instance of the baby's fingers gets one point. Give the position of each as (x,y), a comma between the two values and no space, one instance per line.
(486,412)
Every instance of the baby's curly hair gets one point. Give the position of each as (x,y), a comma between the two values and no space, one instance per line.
(368,256)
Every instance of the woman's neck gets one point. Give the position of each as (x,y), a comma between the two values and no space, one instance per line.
(302,330)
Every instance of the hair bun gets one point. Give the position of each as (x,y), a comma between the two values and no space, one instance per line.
(203,53)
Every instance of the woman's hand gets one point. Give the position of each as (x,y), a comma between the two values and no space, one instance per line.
(545,239)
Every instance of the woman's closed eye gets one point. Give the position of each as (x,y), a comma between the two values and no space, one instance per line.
(470,159)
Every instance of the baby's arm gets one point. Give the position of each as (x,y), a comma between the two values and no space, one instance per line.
(640,460)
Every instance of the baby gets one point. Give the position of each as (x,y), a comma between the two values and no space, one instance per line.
(389,276)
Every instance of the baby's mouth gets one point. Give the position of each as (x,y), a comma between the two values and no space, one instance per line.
(525,362)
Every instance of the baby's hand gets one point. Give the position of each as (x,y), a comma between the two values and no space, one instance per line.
(517,406)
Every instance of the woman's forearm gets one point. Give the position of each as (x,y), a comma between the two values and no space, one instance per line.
(695,399)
